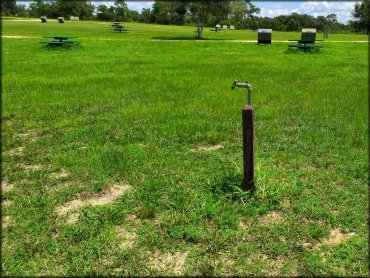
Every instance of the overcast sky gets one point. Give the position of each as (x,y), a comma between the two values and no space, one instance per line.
(271,8)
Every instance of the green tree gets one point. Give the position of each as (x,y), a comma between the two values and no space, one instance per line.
(162,12)
(22,11)
(202,10)
(81,8)
(104,13)
(292,25)
(296,21)
(121,11)
(238,14)
(179,17)
(243,13)
(321,23)
(8,7)
(39,8)
(361,15)
(251,12)
(134,15)
(330,25)
(146,16)
(169,12)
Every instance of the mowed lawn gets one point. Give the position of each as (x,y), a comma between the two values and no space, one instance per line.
(124,156)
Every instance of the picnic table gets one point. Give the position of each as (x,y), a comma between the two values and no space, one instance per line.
(305,44)
(118,27)
(307,41)
(60,40)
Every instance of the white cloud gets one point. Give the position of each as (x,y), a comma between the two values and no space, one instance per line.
(139,5)
(132,5)
(342,9)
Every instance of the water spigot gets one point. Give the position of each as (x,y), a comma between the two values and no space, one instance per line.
(244,85)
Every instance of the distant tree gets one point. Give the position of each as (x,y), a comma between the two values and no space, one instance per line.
(105,14)
(332,18)
(305,21)
(39,8)
(178,11)
(162,12)
(251,13)
(81,8)
(320,23)
(237,13)
(330,25)
(243,13)
(8,7)
(292,25)
(169,12)
(202,10)
(22,10)
(121,11)
(146,16)
(134,15)
(296,21)
(361,15)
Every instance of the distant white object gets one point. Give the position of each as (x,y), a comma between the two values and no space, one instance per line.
(218,26)
(264,30)
(74,18)
(43,19)
(232,27)
(308,30)
(60,19)
(224,26)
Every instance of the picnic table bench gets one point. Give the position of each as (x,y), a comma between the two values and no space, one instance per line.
(60,41)
(305,45)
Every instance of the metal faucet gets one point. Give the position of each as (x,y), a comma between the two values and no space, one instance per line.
(244,85)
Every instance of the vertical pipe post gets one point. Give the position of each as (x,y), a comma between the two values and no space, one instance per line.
(248,147)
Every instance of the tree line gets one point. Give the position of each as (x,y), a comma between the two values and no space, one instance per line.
(241,13)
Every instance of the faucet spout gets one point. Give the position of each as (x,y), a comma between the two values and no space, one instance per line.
(244,85)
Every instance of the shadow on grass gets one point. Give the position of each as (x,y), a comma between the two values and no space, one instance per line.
(292,51)
(184,39)
(62,47)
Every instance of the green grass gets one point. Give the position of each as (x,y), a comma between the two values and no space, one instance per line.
(127,108)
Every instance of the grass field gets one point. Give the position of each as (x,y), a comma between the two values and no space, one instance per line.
(124,156)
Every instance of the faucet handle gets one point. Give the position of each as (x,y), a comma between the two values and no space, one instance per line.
(233,85)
